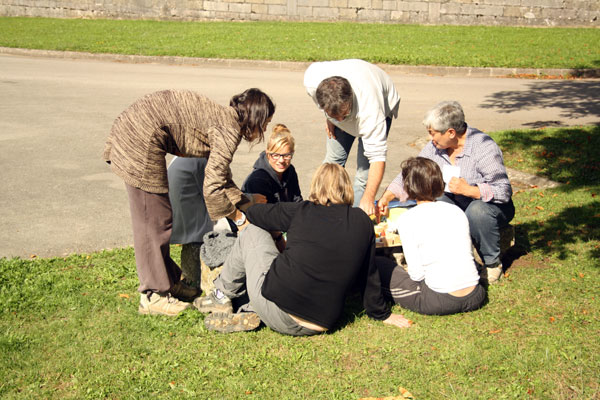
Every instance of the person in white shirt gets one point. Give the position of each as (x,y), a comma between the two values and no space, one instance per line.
(359,100)
(442,276)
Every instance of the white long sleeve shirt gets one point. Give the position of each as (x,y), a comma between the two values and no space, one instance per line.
(375,99)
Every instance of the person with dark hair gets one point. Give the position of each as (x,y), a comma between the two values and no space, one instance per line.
(475,177)
(302,291)
(442,276)
(359,100)
(186,124)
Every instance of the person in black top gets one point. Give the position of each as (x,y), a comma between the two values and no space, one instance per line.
(331,246)
(274,176)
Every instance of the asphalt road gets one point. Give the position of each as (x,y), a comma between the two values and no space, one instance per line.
(57,196)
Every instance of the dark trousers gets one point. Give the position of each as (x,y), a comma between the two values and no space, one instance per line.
(418,297)
(152,222)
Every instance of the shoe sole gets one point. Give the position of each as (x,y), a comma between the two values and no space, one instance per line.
(228,323)
(148,311)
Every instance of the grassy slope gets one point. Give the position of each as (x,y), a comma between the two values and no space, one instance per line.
(69,327)
(475,46)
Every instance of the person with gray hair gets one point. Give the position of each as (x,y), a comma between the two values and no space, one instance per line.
(476,180)
(359,100)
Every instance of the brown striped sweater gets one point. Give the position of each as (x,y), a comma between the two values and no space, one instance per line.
(177,122)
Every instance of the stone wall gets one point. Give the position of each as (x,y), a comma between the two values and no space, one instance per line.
(436,12)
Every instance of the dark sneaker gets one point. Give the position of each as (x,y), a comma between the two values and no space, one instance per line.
(158,304)
(212,304)
(228,322)
(184,292)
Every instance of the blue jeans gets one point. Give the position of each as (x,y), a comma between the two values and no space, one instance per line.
(338,150)
(485,222)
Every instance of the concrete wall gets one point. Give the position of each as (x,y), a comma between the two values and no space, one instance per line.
(436,12)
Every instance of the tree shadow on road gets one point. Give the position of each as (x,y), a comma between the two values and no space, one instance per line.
(573,98)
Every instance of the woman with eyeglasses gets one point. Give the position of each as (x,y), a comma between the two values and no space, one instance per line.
(274,176)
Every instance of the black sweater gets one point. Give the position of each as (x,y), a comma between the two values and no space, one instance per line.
(328,249)
(264,180)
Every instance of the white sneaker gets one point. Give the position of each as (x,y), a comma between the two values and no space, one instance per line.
(161,305)
(494,274)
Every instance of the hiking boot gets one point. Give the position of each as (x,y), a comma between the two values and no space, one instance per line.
(184,292)
(158,304)
(214,302)
(228,322)
(494,274)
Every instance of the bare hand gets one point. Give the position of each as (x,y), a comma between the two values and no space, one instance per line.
(367,205)
(330,129)
(259,198)
(461,187)
(398,321)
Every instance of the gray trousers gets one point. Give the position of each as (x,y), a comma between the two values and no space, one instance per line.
(244,272)
(151,220)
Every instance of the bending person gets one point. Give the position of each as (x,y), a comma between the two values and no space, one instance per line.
(331,245)
(188,124)
(475,176)
(274,176)
(359,100)
(441,277)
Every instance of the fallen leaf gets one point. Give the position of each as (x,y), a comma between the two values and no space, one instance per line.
(533,186)
(123,295)
(552,319)
(574,280)
(581,275)
(32,256)
(539,207)
(549,243)
(495,331)
(248,392)
(541,194)
(172,384)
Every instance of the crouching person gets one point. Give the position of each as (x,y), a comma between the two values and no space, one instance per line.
(302,290)
(442,276)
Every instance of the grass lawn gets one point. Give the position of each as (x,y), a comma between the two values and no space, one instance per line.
(69,327)
(475,46)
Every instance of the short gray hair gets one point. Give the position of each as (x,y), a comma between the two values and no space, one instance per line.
(446,115)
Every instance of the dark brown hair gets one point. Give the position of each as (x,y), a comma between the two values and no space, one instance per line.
(422,179)
(334,95)
(254,108)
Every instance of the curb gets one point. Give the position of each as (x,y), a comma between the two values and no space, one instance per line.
(300,66)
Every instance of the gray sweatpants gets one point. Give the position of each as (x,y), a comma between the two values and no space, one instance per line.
(244,272)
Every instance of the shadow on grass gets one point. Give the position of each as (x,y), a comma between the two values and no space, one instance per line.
(569,156)
(556,235)
(572,98)
(565,155)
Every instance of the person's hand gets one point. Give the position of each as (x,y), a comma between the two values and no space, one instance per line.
(258,198)
(330,129)
(461,186)
(367,204)
(398,321)
(384,201)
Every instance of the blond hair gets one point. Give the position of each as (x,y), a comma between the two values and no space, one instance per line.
(280,137)
(331,185)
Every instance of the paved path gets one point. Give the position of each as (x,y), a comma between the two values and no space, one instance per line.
(58,197)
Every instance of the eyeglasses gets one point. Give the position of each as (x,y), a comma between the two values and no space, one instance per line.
(277,156)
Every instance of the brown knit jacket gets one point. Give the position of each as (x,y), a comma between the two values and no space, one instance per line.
(177,122)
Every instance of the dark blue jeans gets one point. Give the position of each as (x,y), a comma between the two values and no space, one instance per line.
(485,222)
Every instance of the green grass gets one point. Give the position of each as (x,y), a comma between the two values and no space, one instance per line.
(69,327)
(475,46)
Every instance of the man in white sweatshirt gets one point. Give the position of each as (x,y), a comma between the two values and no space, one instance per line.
(359,100)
